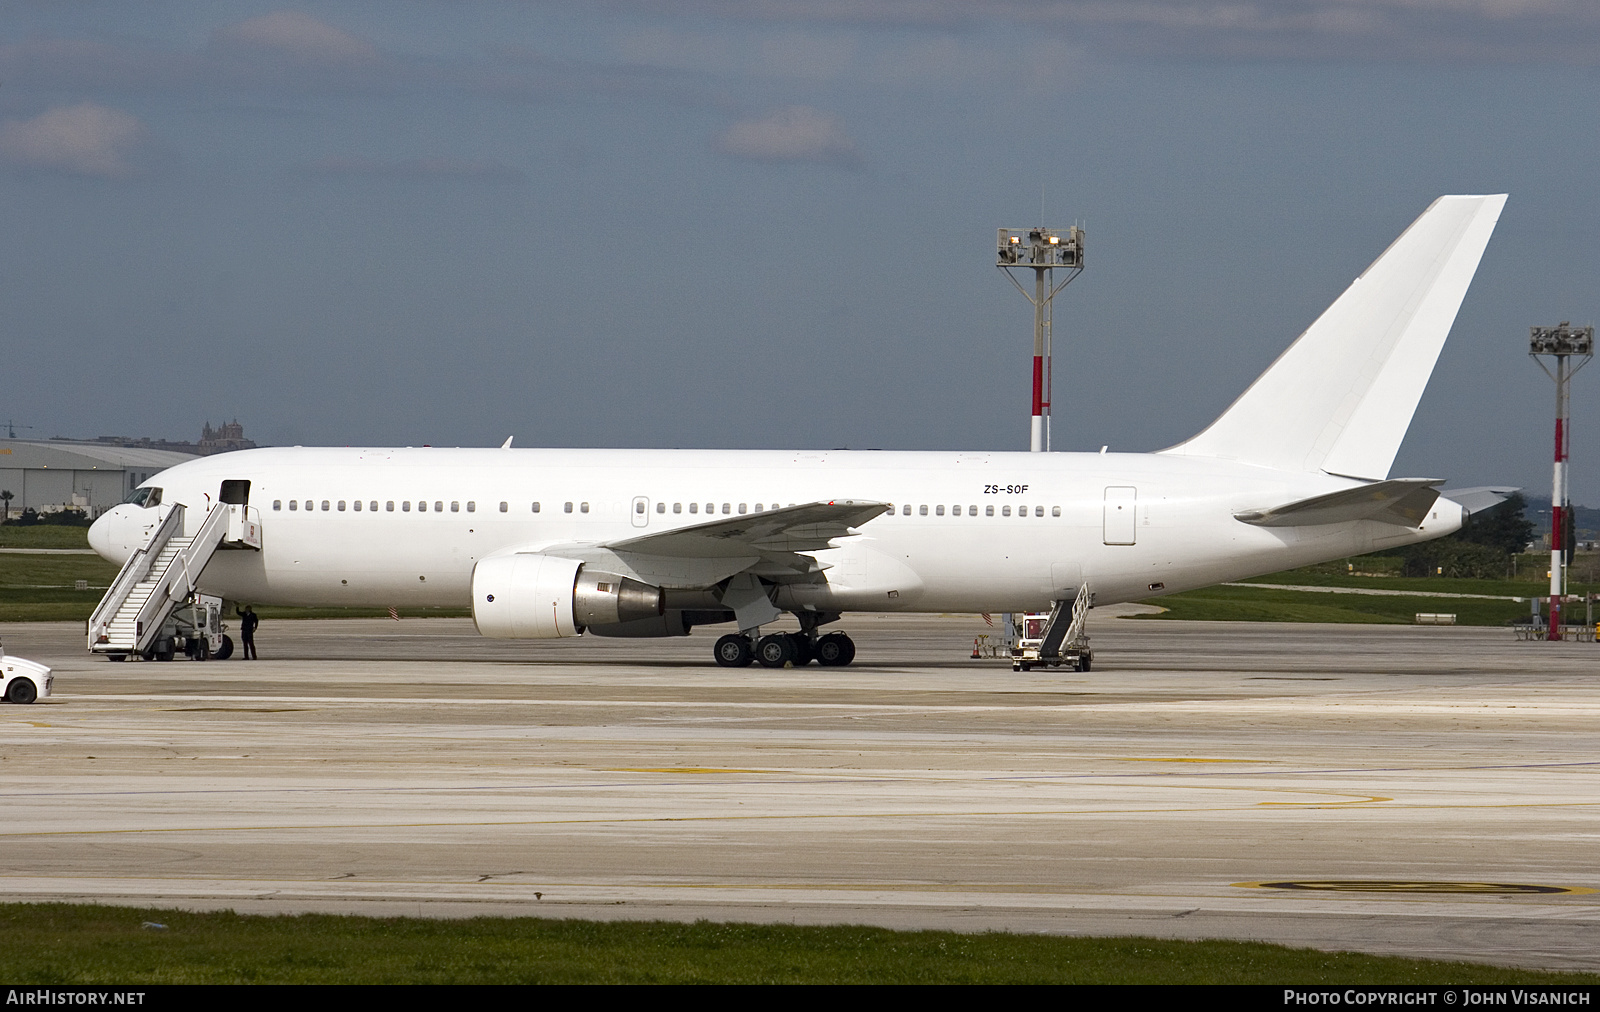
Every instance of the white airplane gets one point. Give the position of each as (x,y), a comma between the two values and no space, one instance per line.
(545,543)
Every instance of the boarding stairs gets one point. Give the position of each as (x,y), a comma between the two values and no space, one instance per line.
(1065,638)
(162,575)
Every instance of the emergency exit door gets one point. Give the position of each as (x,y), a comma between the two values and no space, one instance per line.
(1121,513)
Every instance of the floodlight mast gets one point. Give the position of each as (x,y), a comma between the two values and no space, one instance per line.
(1562,343)
(1041,250)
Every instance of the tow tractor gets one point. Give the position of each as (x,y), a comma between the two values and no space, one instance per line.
(1056,639)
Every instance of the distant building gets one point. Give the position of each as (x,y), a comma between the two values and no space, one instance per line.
(225,437)
(48,475)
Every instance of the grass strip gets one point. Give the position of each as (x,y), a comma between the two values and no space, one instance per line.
(1262,604)
(74,944)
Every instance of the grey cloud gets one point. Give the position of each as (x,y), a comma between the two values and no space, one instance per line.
(1450,30)
(796,133)
(299,37)
(416,168)
(80,140)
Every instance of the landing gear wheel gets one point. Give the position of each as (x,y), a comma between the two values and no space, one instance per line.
(835,650)
(733,651)
(225,651)
(22,691)
(802,649)
(775,651)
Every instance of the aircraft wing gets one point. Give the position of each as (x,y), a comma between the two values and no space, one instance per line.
(809,527)
(1403,501)
(699,556)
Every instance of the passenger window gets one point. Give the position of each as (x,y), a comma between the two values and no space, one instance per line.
(341,506)
(472,507)
(405,507)
(292,504)
(938,511)
(758,508)
(1055,511)
(373,506)
(422,505)
(583,508)
(1005,511)
(638,507)
(455,506)
(694,507)
(972,511)
(324,505)
(356,505)
(988,511)
(742,508)
(677,507)
(1038,511)
(727,508)
(277,504)
(922,511)
(661,507)
(505,507)
(438,507)
(567,508)
(536,507)
(389,505)
(906,511)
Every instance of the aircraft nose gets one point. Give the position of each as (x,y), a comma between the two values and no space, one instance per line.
(106,535)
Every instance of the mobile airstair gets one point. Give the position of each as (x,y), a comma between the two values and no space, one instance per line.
(1059,639)
(153,609)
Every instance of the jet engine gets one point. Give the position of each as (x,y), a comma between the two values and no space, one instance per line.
(545,597)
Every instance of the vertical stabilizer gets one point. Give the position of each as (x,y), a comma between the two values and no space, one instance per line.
(1341,397)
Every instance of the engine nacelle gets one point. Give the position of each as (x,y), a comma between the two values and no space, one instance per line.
(546,597)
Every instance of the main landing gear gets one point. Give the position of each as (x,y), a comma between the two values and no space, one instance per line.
(780,650)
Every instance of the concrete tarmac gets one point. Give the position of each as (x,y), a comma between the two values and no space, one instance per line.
(412,767)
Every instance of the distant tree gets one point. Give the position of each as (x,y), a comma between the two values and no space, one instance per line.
(27,518)
(66,518)
(1455,558)
(1505,527)
(5,505)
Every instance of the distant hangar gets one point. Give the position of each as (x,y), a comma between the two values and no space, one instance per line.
(49,476)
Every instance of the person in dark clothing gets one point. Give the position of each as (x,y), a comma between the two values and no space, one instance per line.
(247,632)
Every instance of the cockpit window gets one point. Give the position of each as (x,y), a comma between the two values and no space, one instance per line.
(144,496)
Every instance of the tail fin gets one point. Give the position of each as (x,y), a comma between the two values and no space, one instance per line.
(1341,397)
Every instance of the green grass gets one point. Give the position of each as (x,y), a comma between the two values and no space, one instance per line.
(43,536)
(66,944)
(1261,604)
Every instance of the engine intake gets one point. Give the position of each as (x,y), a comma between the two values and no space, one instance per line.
(546,597)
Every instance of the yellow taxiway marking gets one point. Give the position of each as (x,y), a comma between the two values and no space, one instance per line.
(1407,888)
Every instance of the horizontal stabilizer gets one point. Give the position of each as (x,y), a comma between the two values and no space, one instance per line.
(1403,501)
(1476,500)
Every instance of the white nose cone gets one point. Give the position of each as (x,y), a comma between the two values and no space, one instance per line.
(112,534)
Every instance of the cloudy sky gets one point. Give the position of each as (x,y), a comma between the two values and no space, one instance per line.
(764,223)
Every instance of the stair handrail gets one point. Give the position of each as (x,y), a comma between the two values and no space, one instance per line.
(133,572)
(165,596)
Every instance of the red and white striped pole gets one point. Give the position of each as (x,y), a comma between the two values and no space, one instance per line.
(1558,504)
(1561,343)
(1039,434)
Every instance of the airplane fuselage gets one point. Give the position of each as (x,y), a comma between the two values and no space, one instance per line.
(968,532)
